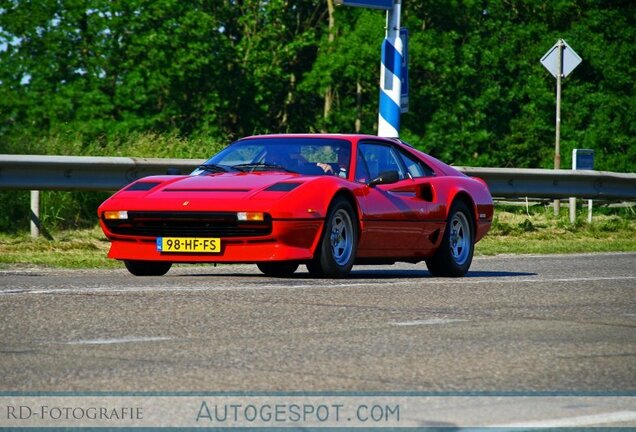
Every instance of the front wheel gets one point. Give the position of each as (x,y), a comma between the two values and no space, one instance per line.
(337,249)
(455,253)
(278,269)
(148,268)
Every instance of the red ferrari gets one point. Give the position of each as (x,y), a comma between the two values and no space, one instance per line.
(326,201)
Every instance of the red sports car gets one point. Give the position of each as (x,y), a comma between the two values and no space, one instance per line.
(324,200)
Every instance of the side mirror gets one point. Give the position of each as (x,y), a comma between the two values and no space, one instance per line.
(173,171)
(385,177)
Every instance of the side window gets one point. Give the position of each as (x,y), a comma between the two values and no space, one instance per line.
(415,167)
(379,158)
(362,174)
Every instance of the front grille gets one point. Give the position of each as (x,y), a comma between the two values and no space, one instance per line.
(188,224)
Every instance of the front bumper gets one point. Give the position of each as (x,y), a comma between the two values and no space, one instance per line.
(290,240)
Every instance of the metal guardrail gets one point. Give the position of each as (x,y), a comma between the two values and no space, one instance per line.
(81,172)
(111,173)
(546,183)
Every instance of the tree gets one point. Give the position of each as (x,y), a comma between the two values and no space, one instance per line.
(229,68)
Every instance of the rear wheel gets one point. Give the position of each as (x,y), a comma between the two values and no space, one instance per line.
(278,269)
(337,249)
(455,254)
(148,268)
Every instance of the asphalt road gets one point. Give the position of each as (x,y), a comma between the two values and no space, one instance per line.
(530,323)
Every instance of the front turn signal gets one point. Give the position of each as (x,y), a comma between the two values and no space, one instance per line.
(120,214)
(250,216)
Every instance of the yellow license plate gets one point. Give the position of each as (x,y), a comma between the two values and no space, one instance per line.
(188,244)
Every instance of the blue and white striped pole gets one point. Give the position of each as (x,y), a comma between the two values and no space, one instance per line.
(391,75)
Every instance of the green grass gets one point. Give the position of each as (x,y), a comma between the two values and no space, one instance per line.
(65,249)
(514,231)
(536,230)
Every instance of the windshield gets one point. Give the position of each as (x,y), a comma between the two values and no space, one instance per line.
(308,156)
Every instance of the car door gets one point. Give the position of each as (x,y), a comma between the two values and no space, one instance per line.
(395,216)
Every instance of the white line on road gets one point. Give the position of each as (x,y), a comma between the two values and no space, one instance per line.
(432,321)
(12,291)
(385,283)
(596,419)
(118,341)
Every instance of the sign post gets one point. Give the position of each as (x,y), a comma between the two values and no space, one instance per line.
(404,97)
(393,70)
(560,60)
(391,75)
(582,159)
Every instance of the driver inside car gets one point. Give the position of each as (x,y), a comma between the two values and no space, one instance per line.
(340,167)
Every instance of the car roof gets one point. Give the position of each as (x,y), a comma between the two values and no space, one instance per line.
(354,138)
(349,136)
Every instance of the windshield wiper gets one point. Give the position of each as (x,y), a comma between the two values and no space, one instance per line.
(262,166)
(212,168)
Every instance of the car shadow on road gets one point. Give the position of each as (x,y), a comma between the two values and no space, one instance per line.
(397,274)
(367,274)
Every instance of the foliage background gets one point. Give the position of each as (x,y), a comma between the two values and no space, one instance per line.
(170,78)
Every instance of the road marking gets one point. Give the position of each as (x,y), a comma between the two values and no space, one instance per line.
(12,291)
(385,283)
(432,321)
(596,419)
(117,341)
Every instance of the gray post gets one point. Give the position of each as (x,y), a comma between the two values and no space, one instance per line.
(35,213)
(589,211)
(557,141)
(573,199)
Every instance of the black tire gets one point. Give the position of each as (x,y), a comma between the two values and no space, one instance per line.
(336,251)
(314,269)
(278,269)
(148,268)
(455,253)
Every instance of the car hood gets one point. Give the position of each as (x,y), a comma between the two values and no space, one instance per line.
(223,191)
(245,183)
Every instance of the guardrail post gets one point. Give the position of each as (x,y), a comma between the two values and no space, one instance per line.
(35,213)
(572,210)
